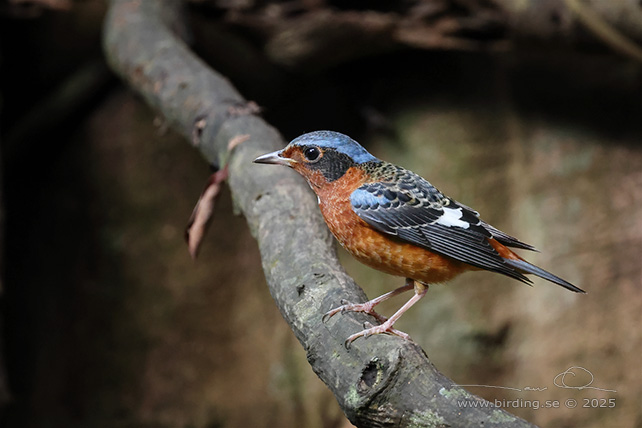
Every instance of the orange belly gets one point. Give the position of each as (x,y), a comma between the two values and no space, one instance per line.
(375,249)
(386,253)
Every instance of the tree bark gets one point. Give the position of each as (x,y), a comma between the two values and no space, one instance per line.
(312,35)
(382,381)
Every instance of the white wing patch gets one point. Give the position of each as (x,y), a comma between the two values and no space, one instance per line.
(452,217)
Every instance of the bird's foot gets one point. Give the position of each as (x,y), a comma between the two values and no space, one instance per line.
(346,306)
(370,330)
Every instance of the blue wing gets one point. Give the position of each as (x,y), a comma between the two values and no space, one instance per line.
(414,211)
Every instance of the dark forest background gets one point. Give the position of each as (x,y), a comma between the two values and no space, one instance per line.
(530,113)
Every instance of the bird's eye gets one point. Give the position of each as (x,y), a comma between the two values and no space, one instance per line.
(312,153)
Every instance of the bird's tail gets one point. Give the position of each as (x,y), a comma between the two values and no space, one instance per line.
(525,267)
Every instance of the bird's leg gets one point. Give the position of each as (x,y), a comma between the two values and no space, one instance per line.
(368,307)
(386,327)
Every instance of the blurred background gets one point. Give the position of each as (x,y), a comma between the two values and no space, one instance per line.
(530,112)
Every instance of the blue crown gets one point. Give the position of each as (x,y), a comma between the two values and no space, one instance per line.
(337,141)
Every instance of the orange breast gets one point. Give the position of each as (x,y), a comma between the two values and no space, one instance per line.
(375,249)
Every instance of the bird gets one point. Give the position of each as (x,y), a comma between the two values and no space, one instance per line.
(395,221)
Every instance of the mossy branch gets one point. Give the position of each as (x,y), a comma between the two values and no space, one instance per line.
(382,381)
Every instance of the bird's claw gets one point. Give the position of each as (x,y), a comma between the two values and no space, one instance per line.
(346,306)
(372,330)
(333,312)
(328,315)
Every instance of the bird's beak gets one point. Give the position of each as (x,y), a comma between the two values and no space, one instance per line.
(275,158)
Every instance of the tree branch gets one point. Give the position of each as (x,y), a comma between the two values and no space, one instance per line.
(310,36)
(382,381)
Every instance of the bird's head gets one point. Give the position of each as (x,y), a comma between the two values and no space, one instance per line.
(321,156)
